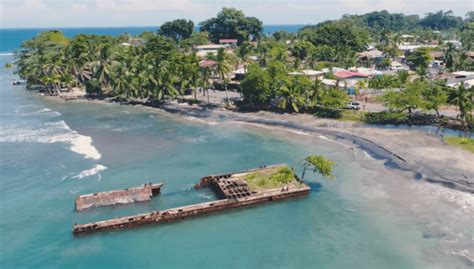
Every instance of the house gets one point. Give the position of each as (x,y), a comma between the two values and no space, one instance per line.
(239,74)
(207,63)
(411,48)
(467,84)
(460,76)
(209,47)
(370,55)
(470,54)
(456,43)
(351,78)
(312,74)
(398,66)
(229,42)
(436,55)
(204,50)
(332,70)
(331,82)
(367,71)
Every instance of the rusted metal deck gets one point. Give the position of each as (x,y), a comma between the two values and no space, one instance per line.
(184,212)
(115,197)
(231,188)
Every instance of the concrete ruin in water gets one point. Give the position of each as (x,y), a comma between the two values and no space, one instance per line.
(231,188)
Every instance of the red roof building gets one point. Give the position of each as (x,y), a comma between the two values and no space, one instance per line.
(348,74)
(228,41)
(207,63)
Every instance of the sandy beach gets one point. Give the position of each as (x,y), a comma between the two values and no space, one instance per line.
(424,154)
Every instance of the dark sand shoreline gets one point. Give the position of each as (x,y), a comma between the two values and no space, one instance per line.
(424,155)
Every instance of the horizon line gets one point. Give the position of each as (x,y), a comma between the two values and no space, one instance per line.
(129,26)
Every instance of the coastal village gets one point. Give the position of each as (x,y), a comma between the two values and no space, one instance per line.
(346,70)
(351,69)
(229,143)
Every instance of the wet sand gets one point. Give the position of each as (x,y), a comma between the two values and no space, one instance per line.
(424,154)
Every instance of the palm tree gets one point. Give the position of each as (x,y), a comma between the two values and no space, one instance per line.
(205,78)
(314,92)
(243,53)
(449,57)
(291,94)
(102,66)
(223,68)
(464,99)
(263,50)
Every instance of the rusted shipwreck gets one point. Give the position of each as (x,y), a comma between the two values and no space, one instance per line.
(131,195)
(232,189)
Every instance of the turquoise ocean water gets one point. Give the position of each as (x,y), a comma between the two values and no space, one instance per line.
(10,39)
(369,217)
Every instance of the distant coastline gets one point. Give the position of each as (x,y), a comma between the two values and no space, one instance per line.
(11,38)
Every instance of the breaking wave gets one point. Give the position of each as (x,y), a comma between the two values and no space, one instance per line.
(90,172)
(42,131)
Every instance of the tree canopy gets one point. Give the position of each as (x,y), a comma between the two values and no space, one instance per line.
(337,34)
(232,23)
(318,164)
(178,29)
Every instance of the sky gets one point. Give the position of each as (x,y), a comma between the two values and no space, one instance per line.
(90,13)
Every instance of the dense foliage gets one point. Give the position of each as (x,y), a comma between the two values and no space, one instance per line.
(159,66)
(177,29)
(104,65)
(232,23)
(275,86)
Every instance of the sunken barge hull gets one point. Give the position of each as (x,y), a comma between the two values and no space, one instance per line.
(185,212)
(131,195)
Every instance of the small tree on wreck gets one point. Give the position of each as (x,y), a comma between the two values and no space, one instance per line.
(318,164)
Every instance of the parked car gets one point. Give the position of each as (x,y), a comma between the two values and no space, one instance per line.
(353,105)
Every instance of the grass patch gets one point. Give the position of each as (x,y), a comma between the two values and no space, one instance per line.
(352,115)
(269,179)
(462,142)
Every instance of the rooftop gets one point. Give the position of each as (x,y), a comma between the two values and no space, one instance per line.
(348,74)
(228,41)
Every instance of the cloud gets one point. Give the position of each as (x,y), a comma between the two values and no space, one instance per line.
(80,7)
(87,13)
(146,5)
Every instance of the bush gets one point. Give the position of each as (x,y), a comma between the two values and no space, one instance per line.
(386,117)
(328,113)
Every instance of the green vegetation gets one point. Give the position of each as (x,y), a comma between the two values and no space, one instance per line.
(386,117)
(462,142)
(318,164)
(270,178)
(352,115)
(232,23)
(177,29)
(263,86)
(157,67)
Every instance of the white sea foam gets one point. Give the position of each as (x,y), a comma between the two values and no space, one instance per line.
(196,119)
(456,230)
(298,132)
(208,196)
(48,112)
(90,172)
(6,54)
(51,132)
(368,155)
